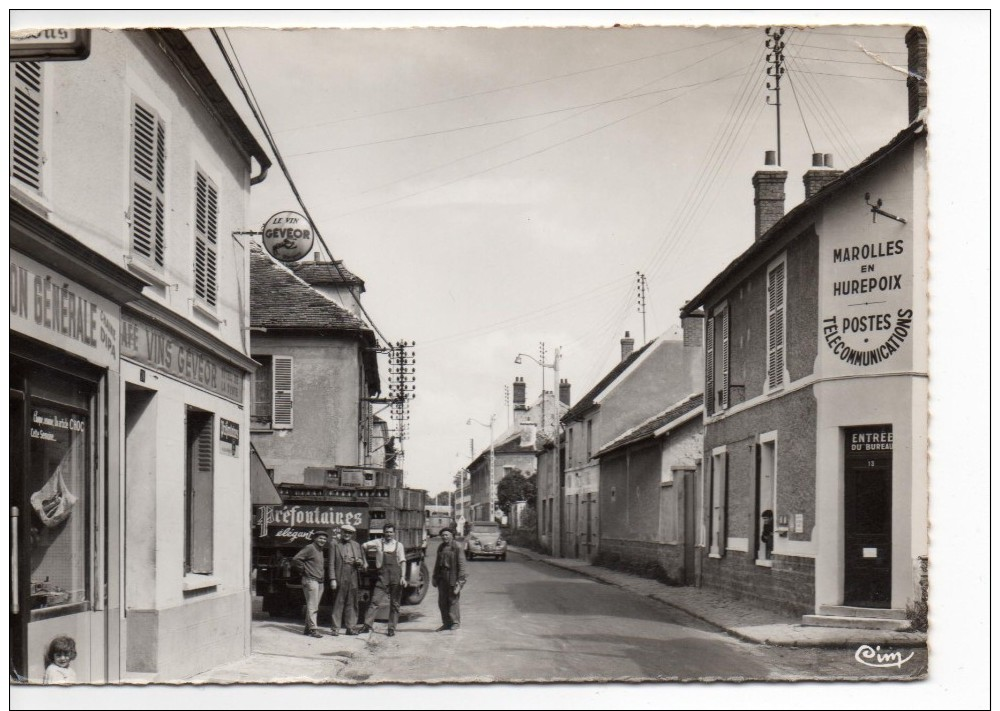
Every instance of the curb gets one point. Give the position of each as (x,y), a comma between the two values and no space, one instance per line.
(840,643)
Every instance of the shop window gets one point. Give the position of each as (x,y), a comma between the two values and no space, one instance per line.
(206,238)
(199,493)
(147,211)
(717,522)
(26,129)
(776,326)
(58,496)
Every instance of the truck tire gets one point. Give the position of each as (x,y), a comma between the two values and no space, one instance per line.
(416,595)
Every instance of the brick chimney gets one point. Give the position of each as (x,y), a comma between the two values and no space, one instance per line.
(768,195)
(519,398)
(821,174)
(628,345)
(693,326)
(916,81)
(564,392)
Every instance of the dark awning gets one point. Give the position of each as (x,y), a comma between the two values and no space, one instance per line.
(262,489)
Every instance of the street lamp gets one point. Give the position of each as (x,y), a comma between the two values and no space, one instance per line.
(555,389)
(492,475)
(555,429)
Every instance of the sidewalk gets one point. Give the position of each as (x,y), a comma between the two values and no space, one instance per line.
(739,619)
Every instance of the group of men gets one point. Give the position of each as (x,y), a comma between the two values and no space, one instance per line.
(348,558)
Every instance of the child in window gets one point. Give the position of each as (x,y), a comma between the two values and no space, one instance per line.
(62,651)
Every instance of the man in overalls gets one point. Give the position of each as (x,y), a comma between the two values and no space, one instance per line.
(346,560)
(390,561)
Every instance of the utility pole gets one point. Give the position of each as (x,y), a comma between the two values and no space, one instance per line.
(776,60)
(640,280)
(541,359)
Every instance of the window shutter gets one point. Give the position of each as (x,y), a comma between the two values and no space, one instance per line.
(776,326)
(710,364)
(206,239)
(725,358)
(26,125)
(202,498)
(148,185)
(724,504)
(282,380)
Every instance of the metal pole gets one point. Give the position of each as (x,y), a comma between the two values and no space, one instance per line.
(555,439)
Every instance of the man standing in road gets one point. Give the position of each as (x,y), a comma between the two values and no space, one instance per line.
(390,561)
(309,562)
(448,578)
(347,560)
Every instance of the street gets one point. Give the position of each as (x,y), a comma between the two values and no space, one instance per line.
(527,621)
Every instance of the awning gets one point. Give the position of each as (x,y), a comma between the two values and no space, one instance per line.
(262,489)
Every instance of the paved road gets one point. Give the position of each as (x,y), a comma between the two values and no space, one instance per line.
(527,621)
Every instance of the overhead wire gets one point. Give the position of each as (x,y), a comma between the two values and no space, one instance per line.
(512,86)
(532,154)
(258,116)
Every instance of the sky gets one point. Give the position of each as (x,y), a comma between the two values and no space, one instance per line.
(498,188)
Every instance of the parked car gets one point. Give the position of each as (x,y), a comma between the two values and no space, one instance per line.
(483,539)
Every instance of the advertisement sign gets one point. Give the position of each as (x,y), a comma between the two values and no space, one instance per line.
(50,308)
(295,523)
(288,236)
(58,44)
(161,351)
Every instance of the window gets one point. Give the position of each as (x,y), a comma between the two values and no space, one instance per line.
(26,155)
(272,393)
(206,238)
(776,326)
(590,439)
(766,495)
(717,368)
(717,522)
(569,447)
(199,493)
(147,204)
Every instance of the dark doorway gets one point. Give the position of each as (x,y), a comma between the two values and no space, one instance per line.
(688,521)
(868,517)
(18,568)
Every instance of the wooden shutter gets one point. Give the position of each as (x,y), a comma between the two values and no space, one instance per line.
(282,400)
(148,185)
(725,358)
(776,326)
(710,364)
(26,156)
(724,503)
(201,493)
(206,238)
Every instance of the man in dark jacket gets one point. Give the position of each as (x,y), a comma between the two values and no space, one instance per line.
(310,563)
(448,578)
(347,559)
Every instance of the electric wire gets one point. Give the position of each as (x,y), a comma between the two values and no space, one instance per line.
(841,49)
(813,99)
(850,76)
(510,87)
(284,169)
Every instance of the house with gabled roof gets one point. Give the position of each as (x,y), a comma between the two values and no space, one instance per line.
(310,400)
(638,386)
(816,377)
(649,489)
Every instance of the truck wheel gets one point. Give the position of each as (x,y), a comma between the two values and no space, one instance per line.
(468,555)
(415,595)
(503,556)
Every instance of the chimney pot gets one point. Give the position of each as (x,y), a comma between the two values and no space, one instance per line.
(315,256)
(817,160)
(628,345)
(828,160)
(770,158)
(564,392)
(916,81)
(769,197)
(820,175)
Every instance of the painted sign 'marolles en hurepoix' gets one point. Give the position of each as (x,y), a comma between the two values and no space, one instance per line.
(869,291)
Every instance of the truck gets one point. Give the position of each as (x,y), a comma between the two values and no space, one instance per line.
(364,497)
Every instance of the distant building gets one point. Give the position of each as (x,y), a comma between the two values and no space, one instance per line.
(816,388)
(129,361)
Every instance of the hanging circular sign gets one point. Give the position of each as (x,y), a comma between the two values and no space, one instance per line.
(288,236)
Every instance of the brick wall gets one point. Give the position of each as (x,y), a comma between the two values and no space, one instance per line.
(664,561)
(789,586)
